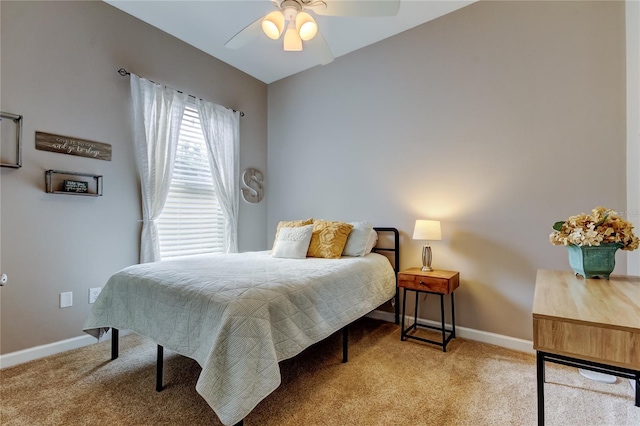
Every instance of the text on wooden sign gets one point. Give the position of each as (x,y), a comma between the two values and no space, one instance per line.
(73,146)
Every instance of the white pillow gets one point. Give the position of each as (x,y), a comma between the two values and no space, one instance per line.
(371,242)
(358,237)
(293,242)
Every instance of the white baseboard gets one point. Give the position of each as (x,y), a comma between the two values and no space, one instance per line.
(26,355)
(467,333)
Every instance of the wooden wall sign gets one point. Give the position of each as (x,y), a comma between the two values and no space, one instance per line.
(73,146)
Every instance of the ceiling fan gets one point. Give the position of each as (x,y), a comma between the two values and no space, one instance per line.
(292,18)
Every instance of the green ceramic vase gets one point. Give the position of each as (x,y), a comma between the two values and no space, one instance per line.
(593,261)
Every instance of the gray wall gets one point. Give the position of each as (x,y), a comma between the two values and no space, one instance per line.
(633,125)
(59,62)
(497,119)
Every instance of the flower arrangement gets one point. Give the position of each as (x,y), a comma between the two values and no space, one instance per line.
(602,226)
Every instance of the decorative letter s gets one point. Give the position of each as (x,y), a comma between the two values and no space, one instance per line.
(252,182)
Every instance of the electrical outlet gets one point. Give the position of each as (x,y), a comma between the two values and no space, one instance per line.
(66,299)
(93,294)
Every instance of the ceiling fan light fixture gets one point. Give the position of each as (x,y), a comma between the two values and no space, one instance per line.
(273,24)
(292,40)
(306,26)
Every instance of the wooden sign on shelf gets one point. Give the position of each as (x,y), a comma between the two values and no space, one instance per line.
(75,186)
(73,146)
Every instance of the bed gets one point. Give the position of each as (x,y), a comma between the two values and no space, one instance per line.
(239,315)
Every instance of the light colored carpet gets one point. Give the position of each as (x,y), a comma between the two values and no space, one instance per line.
(385,382)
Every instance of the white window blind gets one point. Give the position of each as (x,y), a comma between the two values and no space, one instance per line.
(191,222)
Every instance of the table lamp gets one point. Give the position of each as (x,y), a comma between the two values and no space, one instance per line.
(427,230)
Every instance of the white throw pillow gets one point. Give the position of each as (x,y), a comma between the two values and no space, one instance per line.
(293,242)
(371,242)
(358,237)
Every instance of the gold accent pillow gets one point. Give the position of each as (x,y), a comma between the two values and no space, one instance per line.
(290,224)
(328,239)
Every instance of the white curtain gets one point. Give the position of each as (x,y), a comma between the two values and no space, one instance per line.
(220,127)
(157,114)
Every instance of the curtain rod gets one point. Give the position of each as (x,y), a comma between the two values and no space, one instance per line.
(125,73)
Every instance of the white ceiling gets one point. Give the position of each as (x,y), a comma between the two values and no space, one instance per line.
(209,24)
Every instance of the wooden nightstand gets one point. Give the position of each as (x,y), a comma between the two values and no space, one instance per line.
(433,282)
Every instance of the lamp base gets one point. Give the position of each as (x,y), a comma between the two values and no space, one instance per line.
(426,259)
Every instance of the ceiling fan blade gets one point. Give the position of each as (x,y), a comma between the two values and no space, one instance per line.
(364,8)
(246,35)
(319,48)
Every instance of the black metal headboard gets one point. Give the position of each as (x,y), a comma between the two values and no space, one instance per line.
(396,264)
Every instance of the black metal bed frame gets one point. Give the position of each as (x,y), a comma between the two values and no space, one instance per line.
(115,333)
(396,264)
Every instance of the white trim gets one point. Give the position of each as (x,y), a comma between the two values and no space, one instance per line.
(37,352)
(468,333)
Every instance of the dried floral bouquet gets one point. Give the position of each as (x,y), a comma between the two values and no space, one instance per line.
(602,226)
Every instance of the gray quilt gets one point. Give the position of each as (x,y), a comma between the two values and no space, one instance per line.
(238,315)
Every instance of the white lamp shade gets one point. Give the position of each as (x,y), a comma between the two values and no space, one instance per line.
(428,230)
(273,24)
(292,40)
(306,26)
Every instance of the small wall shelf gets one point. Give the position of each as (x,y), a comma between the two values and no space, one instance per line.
(11,129)
(67,183)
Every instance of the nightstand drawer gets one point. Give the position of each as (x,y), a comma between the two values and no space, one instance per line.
(443,282)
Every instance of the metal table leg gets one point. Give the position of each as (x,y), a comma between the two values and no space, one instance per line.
(415,312)
(444,335)
(540,385)
(404,306)
(453,319)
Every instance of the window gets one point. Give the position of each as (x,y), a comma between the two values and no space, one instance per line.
(191,222)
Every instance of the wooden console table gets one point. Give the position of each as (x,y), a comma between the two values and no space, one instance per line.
(592,324)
